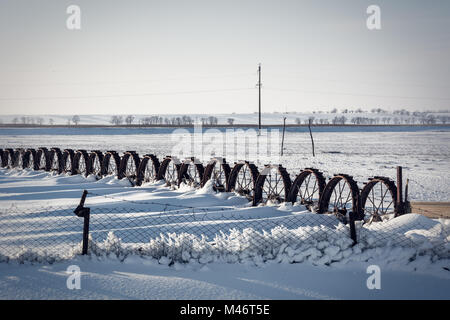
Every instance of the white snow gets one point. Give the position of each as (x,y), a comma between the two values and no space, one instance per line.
(423,152)
(274,252)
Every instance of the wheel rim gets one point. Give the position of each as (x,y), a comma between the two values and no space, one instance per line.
(379,202)
(341,199)
(273,187)
(171,174)
(150,172)
(193,176)
(218,177)
(42,162)
(96,166)
(309,191)
(82,165)
(68,164)
(31,161)
(112,167)
(244,182)
(130,170)
(20,161)
(55,162)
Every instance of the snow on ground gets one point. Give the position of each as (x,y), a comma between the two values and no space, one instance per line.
(285,263)
(140,278)
(424,152)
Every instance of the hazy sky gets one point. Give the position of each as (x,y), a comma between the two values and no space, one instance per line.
(191,56)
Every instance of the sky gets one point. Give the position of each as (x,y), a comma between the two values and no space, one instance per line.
(201,56)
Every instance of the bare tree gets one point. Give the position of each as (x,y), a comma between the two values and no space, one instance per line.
(76,119)
(51,121)
(230,121)
(212,120)
(129,119)
(116,120)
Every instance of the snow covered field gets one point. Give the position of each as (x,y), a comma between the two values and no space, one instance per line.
(294,262)
(424,152)
(280,252)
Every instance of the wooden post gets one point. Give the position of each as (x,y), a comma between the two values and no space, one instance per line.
(312,140)
(84,213)
(351,220)
(282,140)
(400,206)
(86,217)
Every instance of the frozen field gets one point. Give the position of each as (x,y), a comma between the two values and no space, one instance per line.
(299,256)
(142,249)
(362,152)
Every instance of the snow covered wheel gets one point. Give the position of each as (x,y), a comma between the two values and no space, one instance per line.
(56,159)
(9,155)
(1,158)
(169,171)
(111,163)
(4,155)
(5,158)
(96,162)
(129,165)
(30,159)
(272,186)
(218,171)
(148,169)
(243,179)
(191,172)
(19,154)
(43,159)
(307,188)
(378,199)
(340,196)
(81,164)
(68,160)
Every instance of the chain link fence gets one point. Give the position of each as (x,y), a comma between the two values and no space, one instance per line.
(177,233)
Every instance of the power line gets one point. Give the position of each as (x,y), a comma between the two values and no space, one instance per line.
(358,94)
(125,95)
(128,82)
(359,82)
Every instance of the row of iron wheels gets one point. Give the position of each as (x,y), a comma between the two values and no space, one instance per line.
(340,195)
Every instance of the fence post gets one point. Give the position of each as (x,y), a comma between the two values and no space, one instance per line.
(400,207)
(85,213)
(351,221)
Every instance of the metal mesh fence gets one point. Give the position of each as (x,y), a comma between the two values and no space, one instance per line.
(181,233)
(48,233)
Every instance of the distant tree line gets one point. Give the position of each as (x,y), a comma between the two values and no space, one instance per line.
(345,116)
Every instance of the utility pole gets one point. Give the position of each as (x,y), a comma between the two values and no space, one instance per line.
(259,98)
